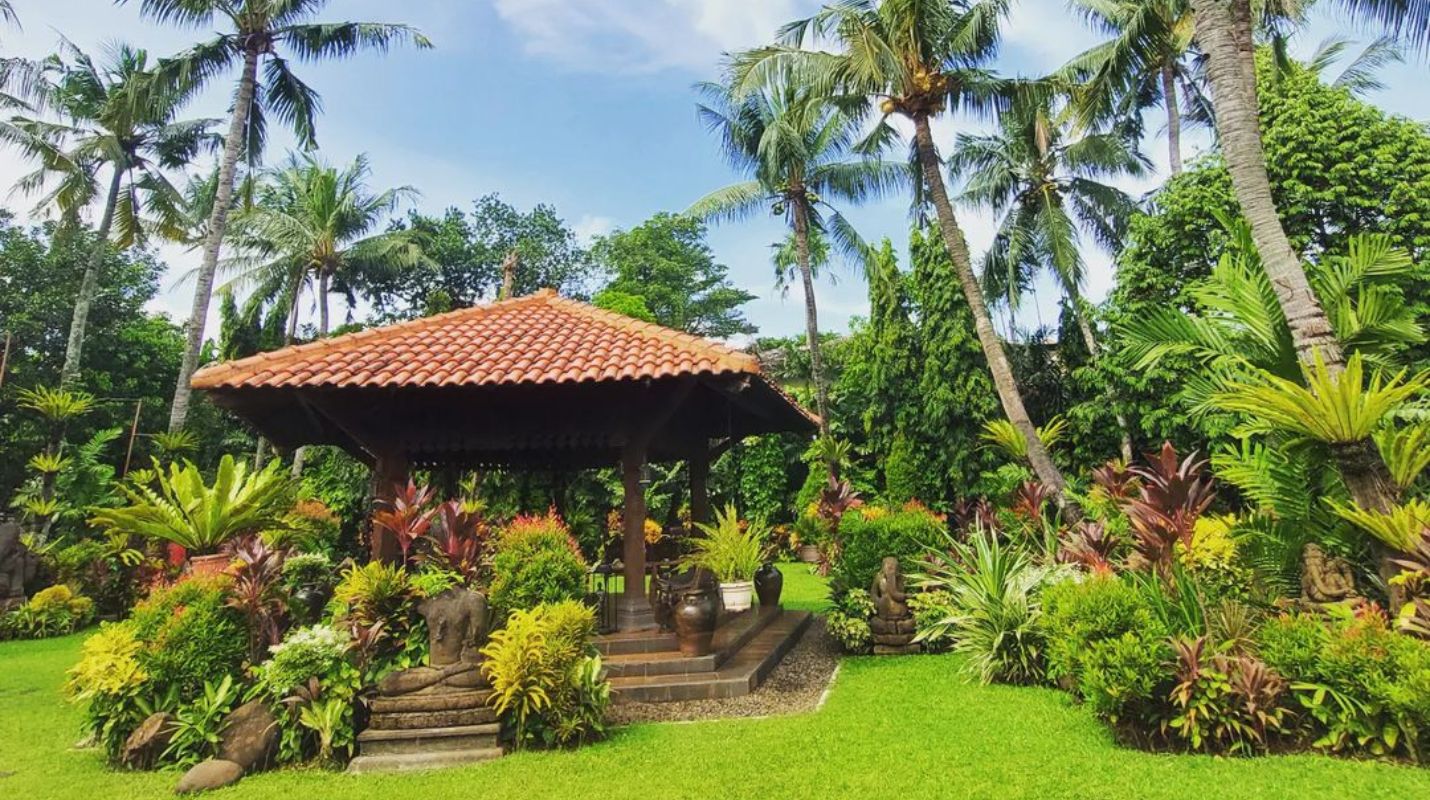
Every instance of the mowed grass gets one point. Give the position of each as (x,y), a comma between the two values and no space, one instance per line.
(893,728)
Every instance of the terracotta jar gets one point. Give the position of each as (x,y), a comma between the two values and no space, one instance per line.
(695,618)
(769,582)
(209,565)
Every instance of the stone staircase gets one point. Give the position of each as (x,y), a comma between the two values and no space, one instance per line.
(424,731)
(647,666)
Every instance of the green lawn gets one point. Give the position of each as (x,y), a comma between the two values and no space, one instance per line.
(893,727)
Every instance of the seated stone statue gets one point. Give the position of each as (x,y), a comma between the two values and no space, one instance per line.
(1324,577)
(893,623)
(17,565)
(457,623)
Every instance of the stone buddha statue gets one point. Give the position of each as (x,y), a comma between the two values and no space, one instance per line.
(457,624)
(1324,577)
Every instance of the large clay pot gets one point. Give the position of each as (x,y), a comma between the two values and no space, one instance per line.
(769,582)
(311,599)
(695,618)
(809,553)
(209,565)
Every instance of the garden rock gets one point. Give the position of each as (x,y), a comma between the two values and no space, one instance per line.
(249,735)
(144,746)
(17,565)
(210,774)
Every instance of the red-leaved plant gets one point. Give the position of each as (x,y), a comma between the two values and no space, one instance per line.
(1173,494)
(407,516)
(458,540)
(257,593)
(1089,545)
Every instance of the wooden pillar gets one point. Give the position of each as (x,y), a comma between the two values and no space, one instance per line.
(633,608)
(699,465)
(389,472)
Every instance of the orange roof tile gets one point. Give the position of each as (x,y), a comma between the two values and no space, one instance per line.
(537,339)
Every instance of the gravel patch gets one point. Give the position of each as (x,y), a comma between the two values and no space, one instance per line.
(796,686)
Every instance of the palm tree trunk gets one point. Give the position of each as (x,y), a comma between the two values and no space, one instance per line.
(1174,120)
(89,284)
(323,284)
(218,225)
(1240,133)
(1002,371)
(1224,32)
(811,314)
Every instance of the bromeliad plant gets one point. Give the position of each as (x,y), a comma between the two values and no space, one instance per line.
(183,509)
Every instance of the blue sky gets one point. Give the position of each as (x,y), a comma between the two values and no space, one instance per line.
(587,105)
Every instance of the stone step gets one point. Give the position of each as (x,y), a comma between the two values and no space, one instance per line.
(629,642)
(377,742)
(402,720)
(662,663)
(741,673)
(436,701)
(401,762)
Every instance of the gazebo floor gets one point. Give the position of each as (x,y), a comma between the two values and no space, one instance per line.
(647,666)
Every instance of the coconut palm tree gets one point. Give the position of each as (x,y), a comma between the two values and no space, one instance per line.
(796,149)
(1146,62)
(255,33)
(1225,31)
(311,226)
(1045,185)
(111,115)
(1405,20)
(916,59)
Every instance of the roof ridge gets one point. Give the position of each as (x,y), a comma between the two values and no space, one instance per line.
(282,355)
(725,355)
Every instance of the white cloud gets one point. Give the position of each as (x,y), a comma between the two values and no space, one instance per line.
(591,226)
(644,36)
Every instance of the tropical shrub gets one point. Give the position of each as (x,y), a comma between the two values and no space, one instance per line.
(304,653)
(312,678)
(993,587)
(308,569)
(54,611)
(869,534)
(1222,702)
(190,635)
(1362,687)
(372,593)
(109,682)
(199,723)
(730,550)
(536,561)
(186,511)
(107,569)
(930,609)
(1107,645)
(546,676)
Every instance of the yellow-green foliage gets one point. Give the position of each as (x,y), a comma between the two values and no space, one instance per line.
(1212,545)
(1002,435)
(108,664)
(372,592)
(1406,452)
(544,681)
(730,550)
(1400,527)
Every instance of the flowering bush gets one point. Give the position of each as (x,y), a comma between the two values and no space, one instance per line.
(305,653)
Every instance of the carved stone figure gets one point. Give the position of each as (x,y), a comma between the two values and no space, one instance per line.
(17,565)
(457,623)
(893,623)
(1325,578)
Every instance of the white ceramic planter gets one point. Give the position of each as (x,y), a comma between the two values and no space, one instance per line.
(737,596)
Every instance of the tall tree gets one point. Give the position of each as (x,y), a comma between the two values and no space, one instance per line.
(1045,184)
(1224,29)
(1407,20)
(1146,62)
(795,146)
(256,31)
(112,115)
(666,263)
(312,227)
(916,59)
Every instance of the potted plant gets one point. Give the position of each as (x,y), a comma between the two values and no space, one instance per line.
(178,507)
(732,552)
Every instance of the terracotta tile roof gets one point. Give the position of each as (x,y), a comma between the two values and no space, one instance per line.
(537,339)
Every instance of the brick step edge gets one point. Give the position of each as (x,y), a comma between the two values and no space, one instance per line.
(406,762)
(418,734)
(631,665)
